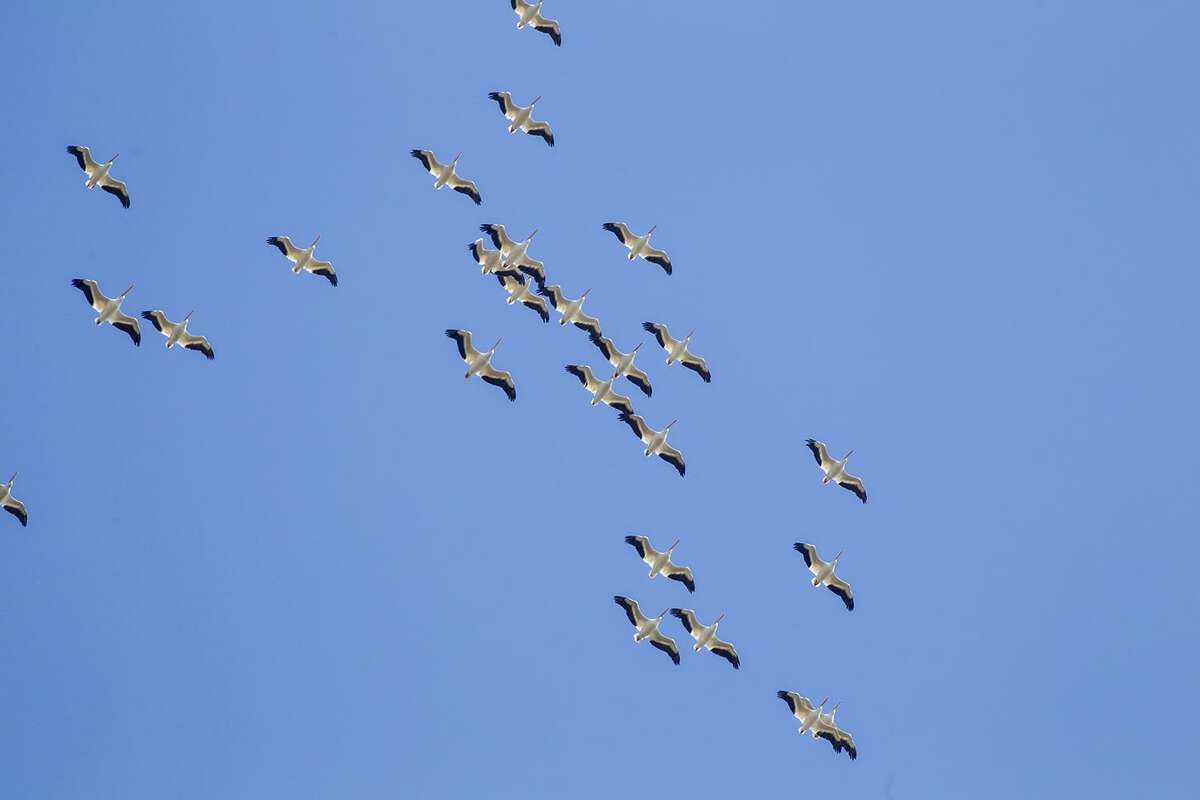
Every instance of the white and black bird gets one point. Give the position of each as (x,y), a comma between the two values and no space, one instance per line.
(177,333)
(109,309)
(647,627)
(304,260)
(11,504)
(531,14)
(571,311)
(514,253)
(519,292)
(491,262)
(835,469)
(481,363)
(655,441)
(818,724)
(601,391)
(677,350)
(706,635)
(639,246)
(622,363)
(444,174)
(520,118)
(660,562)
(98,174)
(823,573)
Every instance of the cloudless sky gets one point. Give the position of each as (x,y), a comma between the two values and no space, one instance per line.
(956,237)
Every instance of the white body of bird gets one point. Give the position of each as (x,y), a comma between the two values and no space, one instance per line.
(109,309)
(835,469)
(304,260)
(639,246)
(12,505)
(660,562)
(647,627)
(99,174)
(705,636)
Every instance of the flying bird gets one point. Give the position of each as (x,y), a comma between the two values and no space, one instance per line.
(706,636)
(444,174)
(521,117)
(109,309)
(622,363)
(480,363)
(639,246)
(98,174)
(835,470)
(530,14)
(571,311)
(516,254)
(660,562)
(677,350)
(11,504)
(601,391)
(647,627)
(177,333)
(823,573)
(655,441)
(304,260)
(820,725)
(519,292)
(491,262)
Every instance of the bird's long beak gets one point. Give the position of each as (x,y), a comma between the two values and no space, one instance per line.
(585,294)
(535,230)
(13,478)
(314,244)
(839,555)
(114,158)
(848,454)
(672,422)
(823,702)
(690,333)
(718,619)
(457,157)
(639,347)
(835,707)
(189,316)
(539,97)
(498,341)
(652,227)
(664,612)
(672,547)
(127,291)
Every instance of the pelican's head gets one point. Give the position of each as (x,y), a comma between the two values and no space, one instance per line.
(823,702)
(585,293)
(665,610)
(114,158)
(669,424)
(673,544)
(497,344)
(314,244)
(539,97)
(839,555)
(847,456)
(652,227)
(127,291)
(691,333)
(457,157)
(835,708)
(530,238)
(639,347)
(189,315)
(13,478)
(718,619)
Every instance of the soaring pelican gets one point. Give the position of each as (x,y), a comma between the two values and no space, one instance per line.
(639,245)
(304,259)
(660,563)
(647,627)
(98,174)
(828,730)
(491,262)
(622,363)
(655,441)
(109,310)
(823,573)
(521,117)
(803,710)
(835,470)
(706,636)
(817,723)
(677,350)
(570,310)
(11,504)
(481,363)
(518,292)
(516,254)
(177,333)
(602,391)
(444,174)
(530,14)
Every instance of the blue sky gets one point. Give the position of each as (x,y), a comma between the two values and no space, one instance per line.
(956,237)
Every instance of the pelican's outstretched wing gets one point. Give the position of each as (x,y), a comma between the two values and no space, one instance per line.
(91,290)
(463,340)
(428,160)
(854,484)
(501,379)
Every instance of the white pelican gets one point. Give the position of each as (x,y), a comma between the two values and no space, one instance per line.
(98,174)
(444,174)
(660,563)
(177,333)
(828,730)
(622,363)
(521,117)
(601,391)
(803,710)
(706,636)
(518,292)
(835,470)
(109,310)
(481,363)
(677,350)
(647,627)
(11,504)
(570,310)
(817,723)
(655,441)
(304,259)
(516,254)
(491,262)
(530,14)
(639,246)
(823,573)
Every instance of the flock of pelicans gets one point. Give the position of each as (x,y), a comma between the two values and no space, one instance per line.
(524,280)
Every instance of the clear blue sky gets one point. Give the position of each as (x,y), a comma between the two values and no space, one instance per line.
(326,566)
